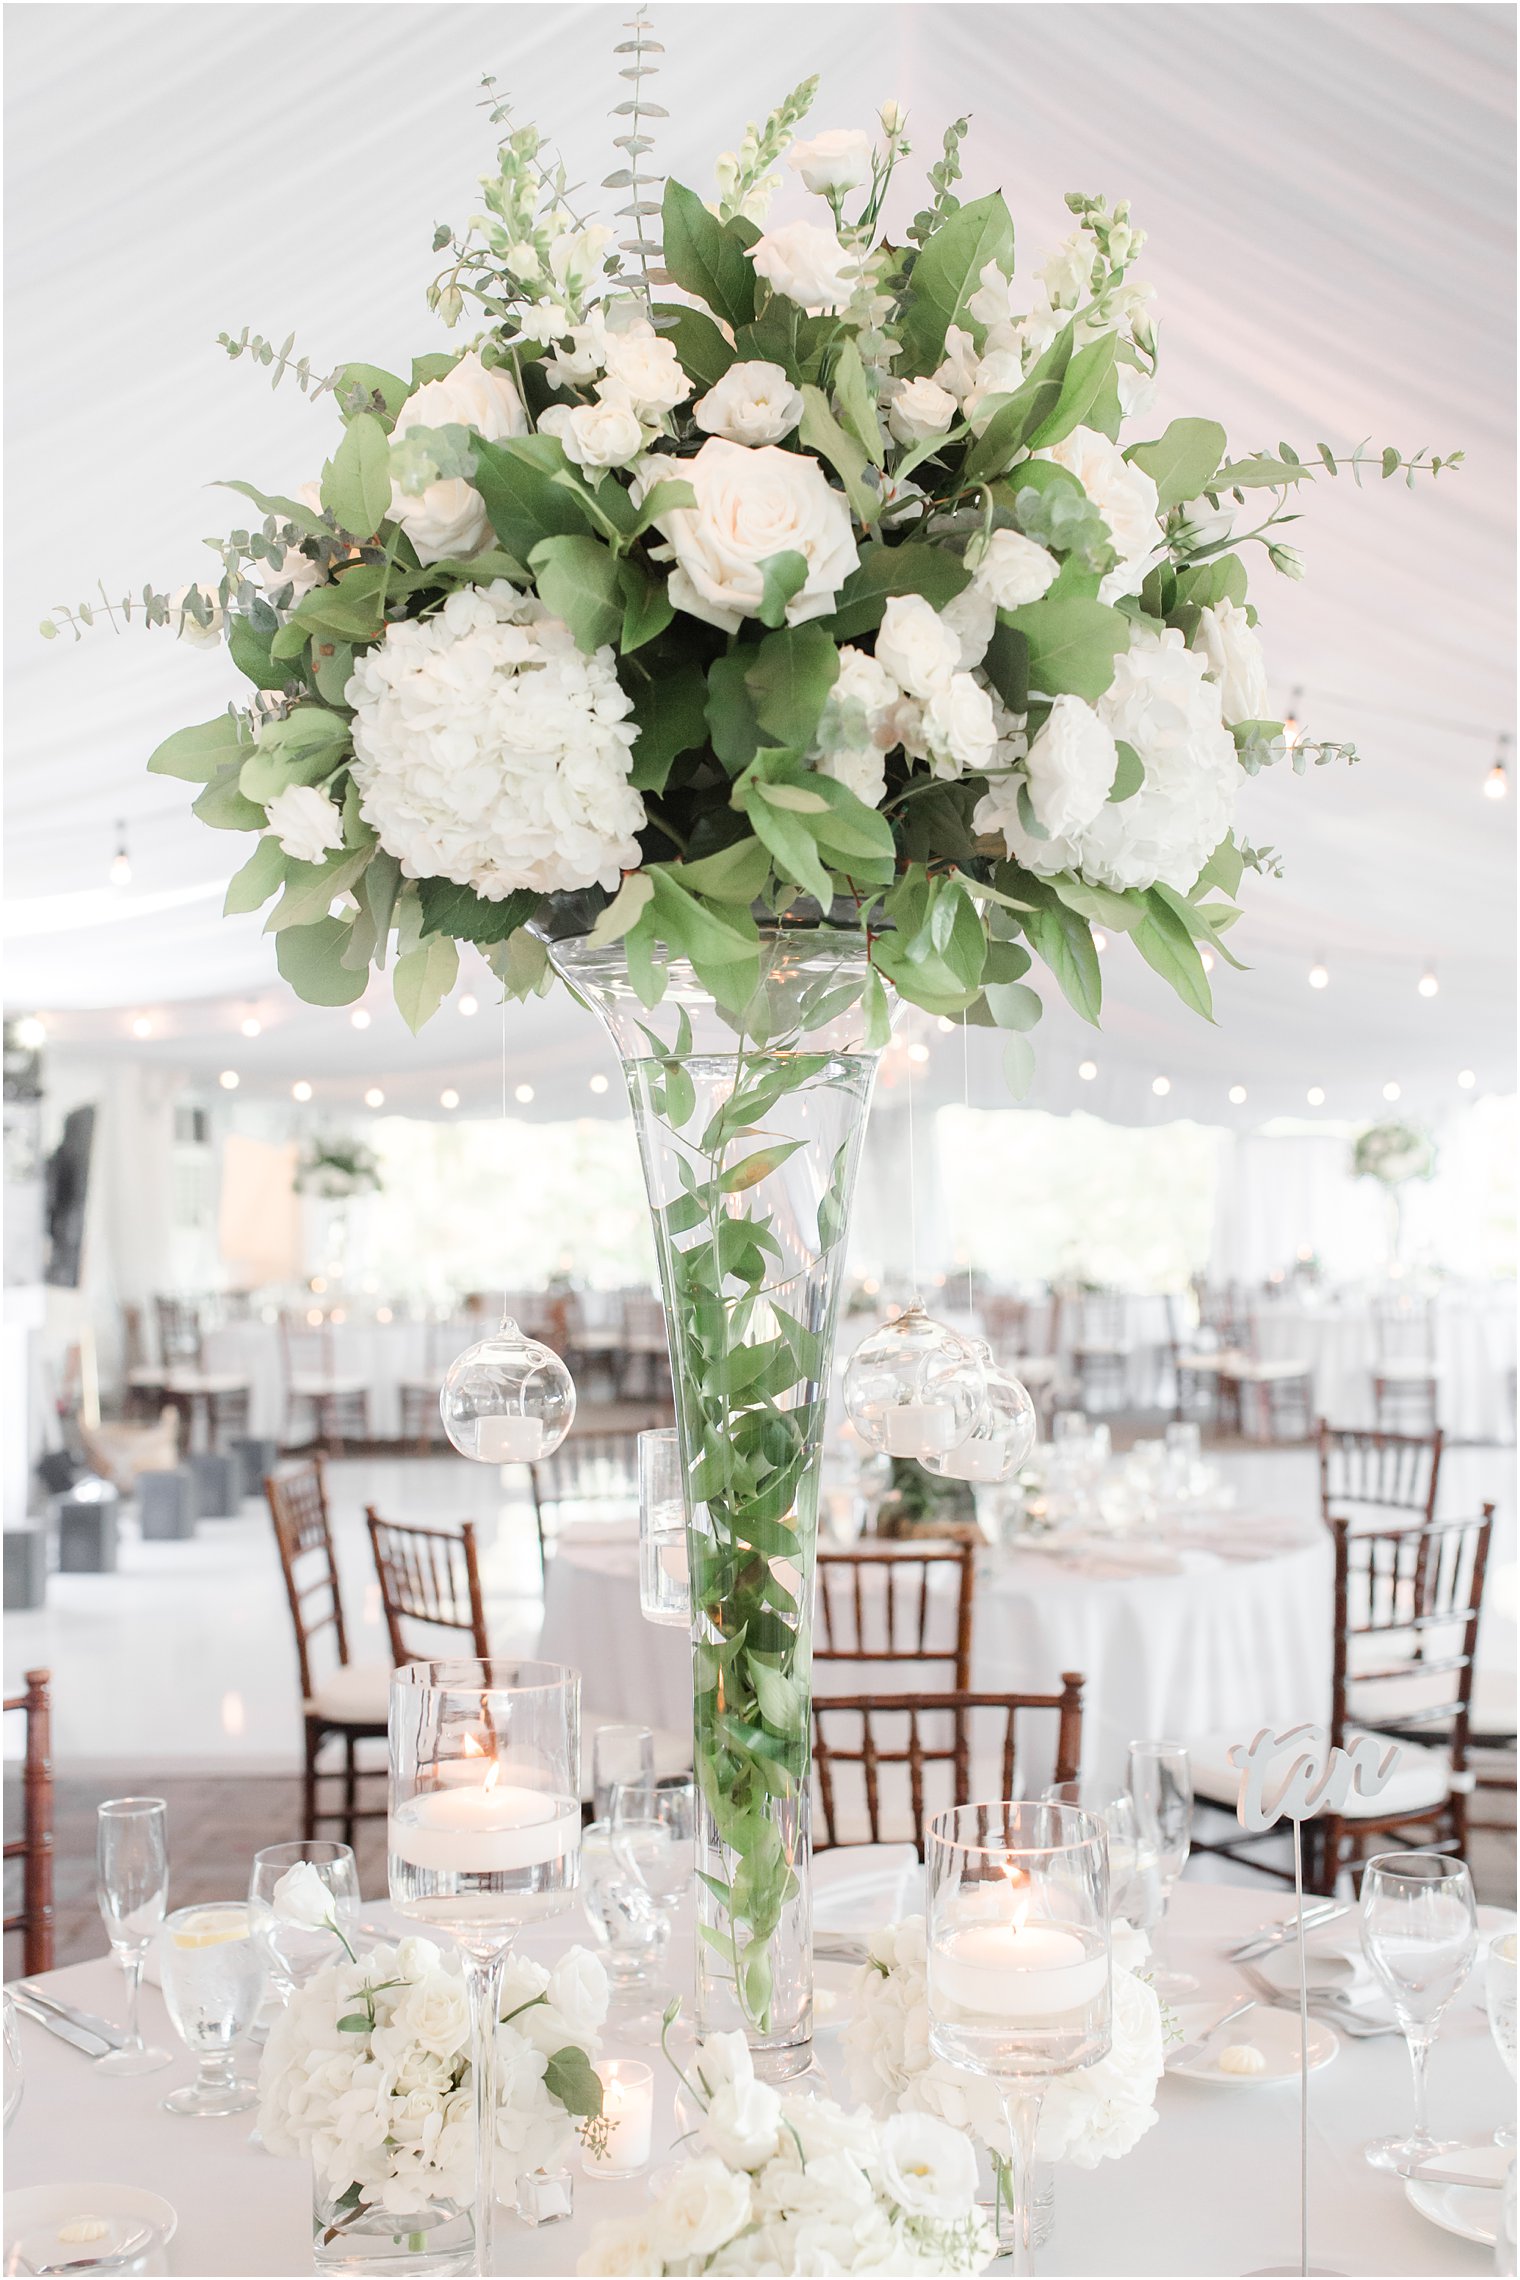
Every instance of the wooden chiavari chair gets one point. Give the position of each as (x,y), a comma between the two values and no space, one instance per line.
(1406,1377)
(594,1476)
(1025,1336)
(338,1399)
(220,1397)
(429,1576)
(1282,1389)
(644,1349)
(865,1736)
(895,1603)
(420,1421)
(1407,1606)
(34,1847)
(351,1702)
(1200,1357)
(1101,1350)
(1381,1472)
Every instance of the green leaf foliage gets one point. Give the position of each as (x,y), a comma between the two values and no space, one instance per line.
(1073,641)
(311,960)
(705,354)
(356,482)
(196,754)
(782,576)
(578,580)
(1081,384)
(1165,943)
(223,806)
(570,2077)
(1011,425)
(789,677)
(948,272)
(705,258)
(671,712)
(1129,775)
(258,879)
(821,432)
(911,567)
(424,978)
(522,498)
(1063,938)
(1181,463)
(469,917)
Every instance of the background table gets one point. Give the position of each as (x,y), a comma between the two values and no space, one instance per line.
(1210,2189)
(1474,1336)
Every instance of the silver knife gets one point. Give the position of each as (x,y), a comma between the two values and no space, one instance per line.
(91,2021)
(1262,1942)
(64,2029)
(1190,2051)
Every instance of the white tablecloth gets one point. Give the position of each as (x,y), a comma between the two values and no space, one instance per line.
(381,1354)
(1474,1352)
(1219,1643)
(1210,2189)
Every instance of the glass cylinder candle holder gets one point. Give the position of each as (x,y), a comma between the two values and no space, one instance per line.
(484,1834)
(1019,1977)
(914,1388)
(508,1399)
(664,1566)
(617,2145)
(1003,1434)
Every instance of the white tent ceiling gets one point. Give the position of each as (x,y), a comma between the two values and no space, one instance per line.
(1328,194)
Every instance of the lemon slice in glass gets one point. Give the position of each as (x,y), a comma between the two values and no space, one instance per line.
(211,1927)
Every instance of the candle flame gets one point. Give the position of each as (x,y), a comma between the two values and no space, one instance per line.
(493,1773)
(1017,1883)
(472,1748)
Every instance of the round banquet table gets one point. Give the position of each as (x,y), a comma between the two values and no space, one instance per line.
(383,1354)
(1226,1632)
(1474,1337)
(1210,2189)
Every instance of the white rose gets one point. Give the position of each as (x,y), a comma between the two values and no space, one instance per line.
(450,517)
(930,2169)
(305,822)
(959,727)
(625,2248)
(752,504)
(586,356)
(604,434)
(705,2206)
(972,617)
(1014,570)
(999,373)
(1160,702)
(754,402)
(1071,768)
(578,1991)
(915,645)
(1225,636)
(807,265)
(862,769)
(209,634)
(300,1897)
(838,160)
(957,374)
(1124,496)
(435,2013)
(1203,525)
(648,367)
(724,2058)
(741,2122)
(920,408)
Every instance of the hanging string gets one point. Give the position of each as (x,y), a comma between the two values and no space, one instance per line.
(912,1193)
(966,1104)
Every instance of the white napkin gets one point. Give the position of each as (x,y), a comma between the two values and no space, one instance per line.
(1335,1966)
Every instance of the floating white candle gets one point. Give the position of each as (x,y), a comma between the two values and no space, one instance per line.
(484,1829)
(509,1440)
(918,1428)
(1010,1970)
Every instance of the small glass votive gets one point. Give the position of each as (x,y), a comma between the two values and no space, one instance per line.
(620,2148)
(664,1569)
(620,1755)
(545,2196)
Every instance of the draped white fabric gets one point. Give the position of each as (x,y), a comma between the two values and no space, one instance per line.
(1327,191)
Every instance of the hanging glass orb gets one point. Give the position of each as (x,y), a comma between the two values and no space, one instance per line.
(507,1400)
(914,1388)
(1003,1434)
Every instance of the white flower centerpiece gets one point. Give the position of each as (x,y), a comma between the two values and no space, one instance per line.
(367,2071)
(783,2183)
(1097,2113)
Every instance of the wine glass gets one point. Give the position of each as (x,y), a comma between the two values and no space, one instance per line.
(1019,1980)
(630,1933)
(132,1886)
(1161,1783)
(294,1950)
(1134,1887)
(654,1830)
(618,1754)
(484,1835)
(213,1967)
(1499,1995)
(1420,1934)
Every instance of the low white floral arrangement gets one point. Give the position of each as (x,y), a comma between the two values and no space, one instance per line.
(786,2183)
(1392,1153)
(1094,2114)
(367,2068)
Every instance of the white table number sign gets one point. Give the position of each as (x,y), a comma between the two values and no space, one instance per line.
(1296,1776)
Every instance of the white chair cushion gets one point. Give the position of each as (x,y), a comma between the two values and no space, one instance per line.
(205,1381)
(1409,1372)
(309,1386)
(1264,1373)
(355,1694)
(672,1752)
(1421,1781)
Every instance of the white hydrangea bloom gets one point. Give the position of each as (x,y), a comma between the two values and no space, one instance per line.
(450,516)
(1124,496)
(1160,702)
(490,751)
(1225,636)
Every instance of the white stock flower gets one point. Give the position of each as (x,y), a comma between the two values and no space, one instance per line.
(807,265)
(1013,569)
(959,730)
(647,367)
(741,2122)
(300,1897)
(305,822)
(1067,275)
(920,408)
(915,645)
(990,304)
(605,433)
(490,751)
(208,635)
(999,373)
(1160,702)
(957,374)
(1071,766)
(752,504)
(705,2206)
(930,2168)
(1124,496)
(1203,525)
(586,356)
(1227,639)
(754,402)
(837,160)
(450,516)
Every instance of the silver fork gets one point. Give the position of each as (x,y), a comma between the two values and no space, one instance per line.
(1324,2003)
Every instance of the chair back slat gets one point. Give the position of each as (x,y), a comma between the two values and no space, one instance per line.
(896,1603)
(1388,1472)
(592,1473)
(926,1747)
(180,1332)
(429,1576)
(298,1507)
(34,1847)
(1417,1593)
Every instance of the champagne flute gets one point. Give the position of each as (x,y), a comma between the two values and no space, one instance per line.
(213,1970)
(1161,1783)
(1499,1995)
(1420,1934)
(132,1886)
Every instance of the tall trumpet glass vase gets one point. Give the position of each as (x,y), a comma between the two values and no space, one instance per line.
(750,1118)
(484,1836)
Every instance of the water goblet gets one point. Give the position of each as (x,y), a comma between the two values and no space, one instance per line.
(654,1829)
(294,1943)
(1499,1995)
(484,1836)
(1161,1784)
(1019,1979)
(1134,1887)
(619,1754)
(213,1968)
(664,1572)
(629,1932)
(1420,1934)
(132,1886)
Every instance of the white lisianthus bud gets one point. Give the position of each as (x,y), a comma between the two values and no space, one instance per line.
(300,1897)
(1226,637)
(604,434)
(838,160)
(754,402)
(1202,525)
(1013,569)
(305,822)
(959,727)
(648,367)
(807,265)
(893,117)
(957,374)
(203,633)
(1287,559)
(916,647)
(920,408)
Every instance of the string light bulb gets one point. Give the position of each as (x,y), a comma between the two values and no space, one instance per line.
(31,1033)
(1099,940)
(359,1019)
(1428,985)
(1319,975)
(142,1026)
(120,873)
(469,1004)
(1392,1091)
(374,1098)
(448,1098)
(1316,1096)
(229,1080)
(1206,960)
(1087,1070)
(1496,782)
(252,1026)
(1237,1096)
(598,1083)
(523,1093)
(1161,1086)
(1466,1078)
(300,1090)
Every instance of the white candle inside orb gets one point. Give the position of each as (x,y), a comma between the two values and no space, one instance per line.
(509,1440)
(977,1460)
(484,1827)
(918,1428)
